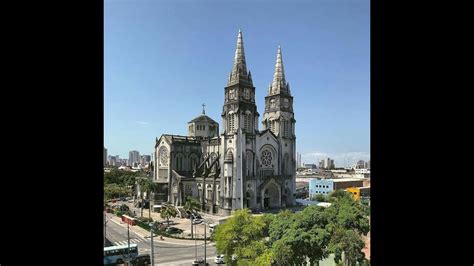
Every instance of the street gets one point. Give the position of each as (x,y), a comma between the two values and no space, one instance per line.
(165,253)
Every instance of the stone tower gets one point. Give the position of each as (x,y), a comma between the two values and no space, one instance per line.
(279,117)
(240,123)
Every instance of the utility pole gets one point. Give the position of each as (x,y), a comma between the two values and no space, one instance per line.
(128,240)
(195,244)
(205,242)
(105,228)
(152,252)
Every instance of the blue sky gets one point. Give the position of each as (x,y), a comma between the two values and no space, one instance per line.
(163,59)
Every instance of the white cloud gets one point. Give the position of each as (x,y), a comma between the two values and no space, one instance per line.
(341,159)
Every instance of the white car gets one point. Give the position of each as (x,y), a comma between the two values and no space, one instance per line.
(197,221)
(219,259)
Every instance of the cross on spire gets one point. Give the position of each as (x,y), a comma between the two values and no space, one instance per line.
(203,110)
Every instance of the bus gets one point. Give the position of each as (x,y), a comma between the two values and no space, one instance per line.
(119,254)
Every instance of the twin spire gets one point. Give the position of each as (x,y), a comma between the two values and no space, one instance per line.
(279,83)
(239,70)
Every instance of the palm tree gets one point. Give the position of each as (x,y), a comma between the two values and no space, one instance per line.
(167,211)
(146,185)
(191,205)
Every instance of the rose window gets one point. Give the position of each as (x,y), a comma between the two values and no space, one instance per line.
(266,158)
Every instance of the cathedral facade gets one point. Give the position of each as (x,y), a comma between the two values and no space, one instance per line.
(239,166)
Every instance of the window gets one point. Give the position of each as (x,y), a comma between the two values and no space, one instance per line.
(266,158)
(231,122)
(179,162)
(248,122)
(164,156)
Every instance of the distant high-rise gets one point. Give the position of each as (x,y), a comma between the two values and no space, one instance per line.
(112,160)
(327,163)
(145,159)
(298,160)
(133,157)
(360,164)
(105,156)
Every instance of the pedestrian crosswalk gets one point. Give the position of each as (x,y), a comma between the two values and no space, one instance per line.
(132,240)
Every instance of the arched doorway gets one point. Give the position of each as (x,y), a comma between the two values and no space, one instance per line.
(271,195)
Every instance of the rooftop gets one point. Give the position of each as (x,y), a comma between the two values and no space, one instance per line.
(203,118)
(347,179)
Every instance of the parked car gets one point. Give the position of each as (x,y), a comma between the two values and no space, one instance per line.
(143,259)
(173,230)
(212,227)
(219,259)
(197,221)
(200,262)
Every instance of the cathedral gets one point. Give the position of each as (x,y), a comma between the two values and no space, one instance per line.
(239,166)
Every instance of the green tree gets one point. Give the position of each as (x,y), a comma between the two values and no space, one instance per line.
(112,191)
(349,221)
(320,198)
(349,242)
(168,211)
(147,185)
(192,206)
(241,235)
(301,236)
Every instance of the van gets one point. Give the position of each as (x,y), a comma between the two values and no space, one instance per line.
(212,227)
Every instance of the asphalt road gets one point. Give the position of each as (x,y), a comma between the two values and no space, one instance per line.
(165,253)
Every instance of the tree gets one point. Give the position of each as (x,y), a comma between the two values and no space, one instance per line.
(168,211)
(349,242)
(349,221)
(301,236)
(320,198)
(112,191)
(242,236)
(146,185)
(192,206)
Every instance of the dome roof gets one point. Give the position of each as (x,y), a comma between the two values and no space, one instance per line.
(203,118)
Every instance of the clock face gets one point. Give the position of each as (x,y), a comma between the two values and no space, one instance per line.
(246,93)
(272,103)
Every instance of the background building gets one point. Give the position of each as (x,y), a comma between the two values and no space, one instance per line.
(326,186)
(310,166)
(133,157)
(327,163)
(105,156)
(298,160)
(112,160)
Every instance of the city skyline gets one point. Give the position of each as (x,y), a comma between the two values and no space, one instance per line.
(172,53)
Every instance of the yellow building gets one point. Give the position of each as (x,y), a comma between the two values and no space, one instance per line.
(355,191)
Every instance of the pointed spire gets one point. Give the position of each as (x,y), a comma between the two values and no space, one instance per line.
(239,68)
(279,82)
(203,110)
